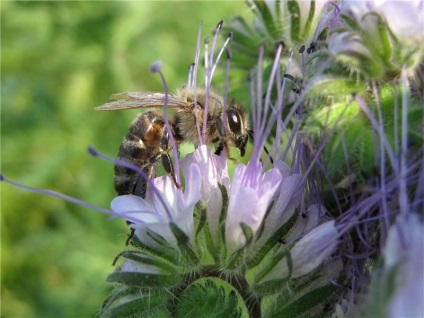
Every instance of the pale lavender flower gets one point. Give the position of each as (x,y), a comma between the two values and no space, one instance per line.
(214,171)
(252,191)
(308,253)
(165,204)
(404,254)
(381,37)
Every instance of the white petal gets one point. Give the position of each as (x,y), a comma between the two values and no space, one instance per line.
(308,253)
(129,202)
(314,248)
(192,187)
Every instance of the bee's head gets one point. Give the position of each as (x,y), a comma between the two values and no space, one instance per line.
(237,128)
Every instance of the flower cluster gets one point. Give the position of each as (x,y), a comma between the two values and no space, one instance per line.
(253,233)
(324,218)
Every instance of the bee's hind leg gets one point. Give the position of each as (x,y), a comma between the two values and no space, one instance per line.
(169,168)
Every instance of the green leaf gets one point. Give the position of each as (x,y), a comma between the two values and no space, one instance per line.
(138,256)
(143,280)
(302,305)
(141,304)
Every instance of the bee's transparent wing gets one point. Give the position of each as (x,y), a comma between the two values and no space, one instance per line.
(130,100)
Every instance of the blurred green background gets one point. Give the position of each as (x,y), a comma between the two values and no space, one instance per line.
(58,61)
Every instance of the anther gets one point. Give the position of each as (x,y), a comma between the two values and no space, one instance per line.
(229,55)
(290,77)
(156,67)
(219,25)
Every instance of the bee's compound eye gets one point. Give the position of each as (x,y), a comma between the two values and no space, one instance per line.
(234,120)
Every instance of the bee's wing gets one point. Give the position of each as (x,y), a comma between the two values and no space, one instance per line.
(131,100)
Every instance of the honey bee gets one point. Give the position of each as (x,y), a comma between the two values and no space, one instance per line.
(148,140)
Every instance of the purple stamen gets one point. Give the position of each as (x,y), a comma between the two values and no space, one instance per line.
(374,124)
(382,157)
(156,68)
(221,51)
(190,74)
(58,195)
(155,193)
(403,196)
(194,83)
(226,85)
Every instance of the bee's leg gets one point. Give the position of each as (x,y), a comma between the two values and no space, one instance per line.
(219,149)
(222,144)
(140,187)
(169,168)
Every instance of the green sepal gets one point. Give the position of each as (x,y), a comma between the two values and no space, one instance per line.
(225,201)
(334,85)
(305,306)
(262,225)
(386,50)
(248,233)
(140,257)
(200,214)
(237,256)
(263,12)
(270,285)
(213,249)
(235,259)
(203,227)
(205,298)
(295,17)
(349,21)
(143,280)
(163,250)
(184,244)
(309,20)
(255,257)
(222,218)
(135,303)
